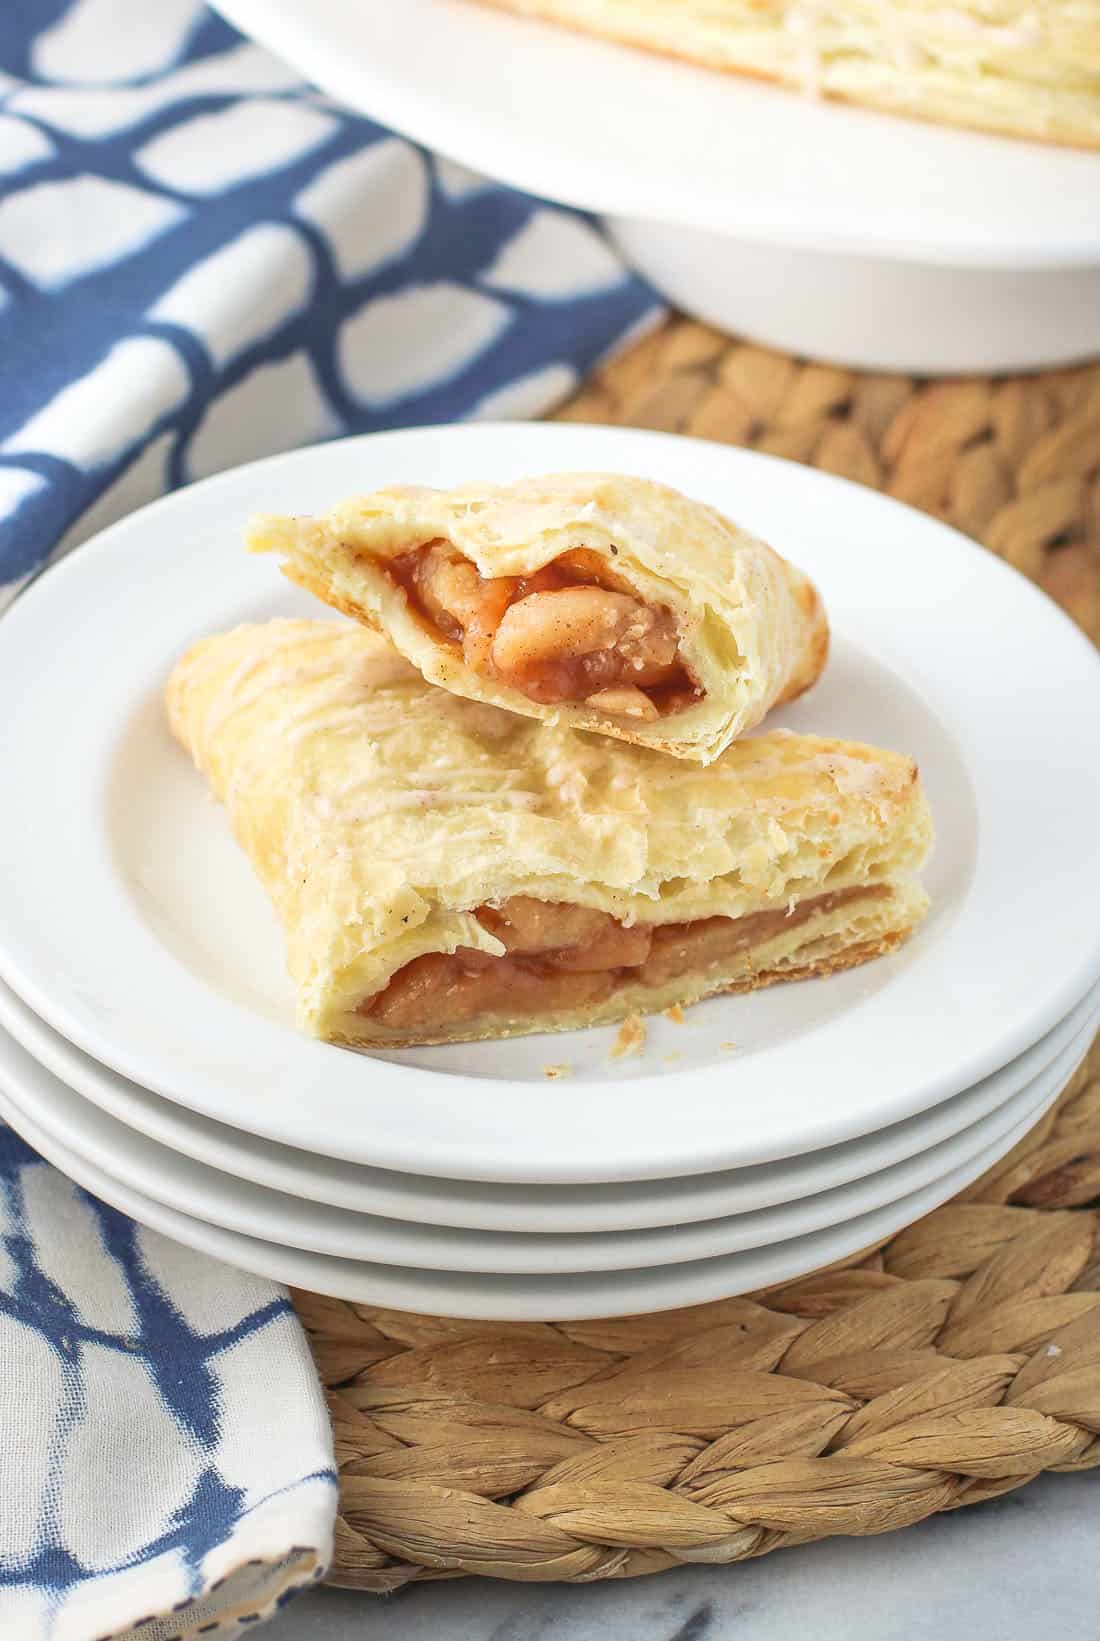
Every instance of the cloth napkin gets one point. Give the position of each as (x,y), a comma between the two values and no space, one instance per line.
(202,260)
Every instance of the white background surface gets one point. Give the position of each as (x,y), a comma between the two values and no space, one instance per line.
(1024,1567)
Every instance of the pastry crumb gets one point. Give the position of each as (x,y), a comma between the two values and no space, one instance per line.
(631,1038)
(675,1014)
(670,1059)
(727,1045)
(557,1071)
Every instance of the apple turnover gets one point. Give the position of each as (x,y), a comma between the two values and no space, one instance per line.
(588,600)
(446,871)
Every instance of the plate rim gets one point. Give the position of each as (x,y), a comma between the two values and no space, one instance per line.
(699,1282)
(60,1062)
(222,1199)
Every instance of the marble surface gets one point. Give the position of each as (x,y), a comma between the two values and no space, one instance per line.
(1021,1566)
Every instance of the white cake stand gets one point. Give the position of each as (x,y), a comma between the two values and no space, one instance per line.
(874,241)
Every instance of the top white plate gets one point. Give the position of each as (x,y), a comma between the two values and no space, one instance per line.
(131,922)
(622,131)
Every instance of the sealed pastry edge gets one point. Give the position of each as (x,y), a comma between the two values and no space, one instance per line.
(813,955)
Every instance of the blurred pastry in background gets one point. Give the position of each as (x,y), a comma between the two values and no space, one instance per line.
(1028,68)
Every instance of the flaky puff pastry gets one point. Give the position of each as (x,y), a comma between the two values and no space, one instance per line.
(747,628)
(392,823)
(1020,67)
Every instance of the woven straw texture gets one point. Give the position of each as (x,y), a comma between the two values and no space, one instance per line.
(955,1362)
(1013,462)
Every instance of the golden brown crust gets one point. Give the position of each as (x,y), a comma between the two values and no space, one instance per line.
(312,581)
(865,952)
(806,673)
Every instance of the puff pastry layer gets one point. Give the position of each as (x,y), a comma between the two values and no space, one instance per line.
(446,871)
(591,600)
(1030,70)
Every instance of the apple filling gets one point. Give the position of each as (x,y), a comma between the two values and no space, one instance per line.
(559,958)
(573,631)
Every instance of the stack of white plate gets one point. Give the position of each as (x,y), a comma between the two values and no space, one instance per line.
(150,1049)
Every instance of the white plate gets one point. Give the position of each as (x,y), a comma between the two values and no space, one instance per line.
(130,921)
(627,132)
(562,1209)
(252,1210)
(519,1298)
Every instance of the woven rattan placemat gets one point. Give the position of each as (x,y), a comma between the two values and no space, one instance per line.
(952,1364)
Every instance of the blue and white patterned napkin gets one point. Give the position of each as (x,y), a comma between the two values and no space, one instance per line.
(203,261)
(165,1455)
